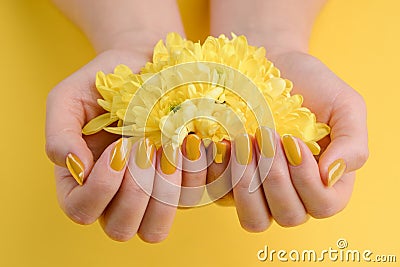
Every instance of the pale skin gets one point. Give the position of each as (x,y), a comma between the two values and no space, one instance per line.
(127,35)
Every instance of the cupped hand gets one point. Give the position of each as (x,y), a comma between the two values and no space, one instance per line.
(128,186)
(299,184)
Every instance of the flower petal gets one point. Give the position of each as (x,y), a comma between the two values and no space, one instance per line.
(97,124)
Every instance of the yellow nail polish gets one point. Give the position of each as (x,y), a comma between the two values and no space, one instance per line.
(265,141)
(314,147)
(119,154)
(144,153)
(75,167)
(244,149)
(193,147)
(336,171)
(168,159)
(219,150)
(292,150)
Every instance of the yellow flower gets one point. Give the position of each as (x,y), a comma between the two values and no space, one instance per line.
(164,102)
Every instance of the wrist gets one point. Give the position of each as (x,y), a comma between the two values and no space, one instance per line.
(279,26)
(123,24)
(276,41)
(281,42)
(133,39)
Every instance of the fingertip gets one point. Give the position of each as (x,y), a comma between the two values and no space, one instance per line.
(192,147)
(304,169)
(265,141)
(291,146)
(169,159)
(109,168)
(341,156)
(335,171)
(143,154)
(119,154)
(75,167)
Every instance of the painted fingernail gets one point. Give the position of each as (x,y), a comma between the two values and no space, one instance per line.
(119,154)
(292,149)
(265,141)
(168,159)
(244,149)
(193,147)
(336,171)
(75,167)
(144,153)
(219,149)
(314,147)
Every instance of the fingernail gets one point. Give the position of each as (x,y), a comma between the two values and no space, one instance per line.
(314,147)
(75,167)
(219,149)
(168,159)
(292,150)
(265,141)
(193,147)
(144,153)
(244,149)
(119,154)
(335,171)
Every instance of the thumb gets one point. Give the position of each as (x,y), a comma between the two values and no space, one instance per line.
(348,149)
(64,120)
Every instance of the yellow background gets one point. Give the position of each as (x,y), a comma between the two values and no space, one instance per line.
(358,39)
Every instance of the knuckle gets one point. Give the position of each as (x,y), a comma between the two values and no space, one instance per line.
(106,187)
(135,190)
(291,219)
(194,177)
(169,196)
(275,178)
(243,185)
(78,215)
(305,181)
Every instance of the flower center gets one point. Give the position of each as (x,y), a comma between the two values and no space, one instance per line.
(175,108)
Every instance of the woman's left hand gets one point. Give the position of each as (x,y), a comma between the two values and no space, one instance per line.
(299,184)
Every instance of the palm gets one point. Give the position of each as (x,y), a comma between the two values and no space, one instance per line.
(323,91)
(79,94)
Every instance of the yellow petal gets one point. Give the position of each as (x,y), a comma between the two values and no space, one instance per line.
(276,86)
(113,80)
(124,130)
(100,79)
(123,71)
(322,131)
(98,123)
(106,92)
(104,104)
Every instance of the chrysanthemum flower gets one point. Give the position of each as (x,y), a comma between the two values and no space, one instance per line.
(165,114)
